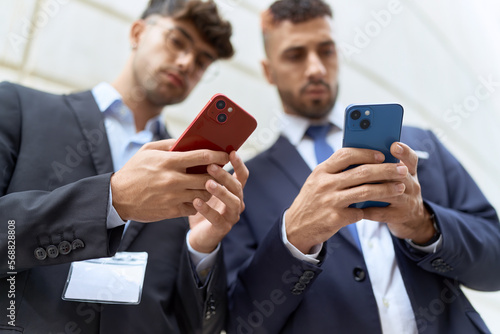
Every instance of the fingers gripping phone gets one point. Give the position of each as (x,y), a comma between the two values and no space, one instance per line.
(221,125)
(375,127)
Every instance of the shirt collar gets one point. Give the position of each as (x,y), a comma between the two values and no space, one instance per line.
(294,127)
(105,95)
(110,101)
(157,128)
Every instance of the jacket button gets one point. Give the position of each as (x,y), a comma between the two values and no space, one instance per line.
(52,251)
(40,254)
(308,274)
(304,280)
(441,266)
(211,310)
(437,262)
(77,243)
(359,274)
(64,247)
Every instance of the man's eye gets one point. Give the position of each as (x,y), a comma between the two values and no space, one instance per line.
(203,61)
(176,42)
(327,51)
(294,55)
(202,64)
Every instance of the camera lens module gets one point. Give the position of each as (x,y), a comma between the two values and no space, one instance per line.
(364,124)
(220,104)
(221,118)
(356,114)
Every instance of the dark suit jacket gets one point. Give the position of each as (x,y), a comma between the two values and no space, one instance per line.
(55,169)
(273,292)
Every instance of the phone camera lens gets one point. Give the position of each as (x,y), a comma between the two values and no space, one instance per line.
(220,104)
(356,114)
(221,118)
(365,124)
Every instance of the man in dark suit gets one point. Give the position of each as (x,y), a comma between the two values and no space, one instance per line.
(69,187)
(301,260)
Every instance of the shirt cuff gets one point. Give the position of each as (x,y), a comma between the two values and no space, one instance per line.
(432,248)
(113,220)
(311,258)
(203,262)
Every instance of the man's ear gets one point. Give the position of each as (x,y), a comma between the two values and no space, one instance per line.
(136,31)
(266,67)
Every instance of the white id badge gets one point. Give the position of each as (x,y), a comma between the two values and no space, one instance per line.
(113,280)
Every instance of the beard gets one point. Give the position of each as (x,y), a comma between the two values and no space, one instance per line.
(153,88)
(162,93)
(311,109)
(159,96)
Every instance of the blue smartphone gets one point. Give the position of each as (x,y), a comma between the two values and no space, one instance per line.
(375,127)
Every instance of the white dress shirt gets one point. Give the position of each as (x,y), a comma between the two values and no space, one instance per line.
(395,311)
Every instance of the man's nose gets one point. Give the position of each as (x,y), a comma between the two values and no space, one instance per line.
(185,61)
(315,68)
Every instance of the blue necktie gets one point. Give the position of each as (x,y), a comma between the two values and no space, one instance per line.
(323,151)
(318,133)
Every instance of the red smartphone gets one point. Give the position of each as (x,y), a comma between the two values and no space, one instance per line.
(221,125)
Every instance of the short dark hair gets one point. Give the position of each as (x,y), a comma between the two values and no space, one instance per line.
(203,14)
(296,11)
(162,7)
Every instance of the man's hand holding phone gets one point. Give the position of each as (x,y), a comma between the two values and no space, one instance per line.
(216,217)
(374,171)
(322,206)
(153,185)
(221,125)
(406,216)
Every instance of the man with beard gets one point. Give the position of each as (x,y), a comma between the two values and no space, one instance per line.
(302,261)
(80,178)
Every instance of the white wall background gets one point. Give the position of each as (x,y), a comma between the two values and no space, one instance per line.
(439,59)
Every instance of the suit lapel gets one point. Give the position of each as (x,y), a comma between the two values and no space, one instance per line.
(346,234)
(163,133)
(92,125)
(131,233)
(286,156)
(289,161)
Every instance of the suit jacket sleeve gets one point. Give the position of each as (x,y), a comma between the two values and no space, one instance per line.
(470,251)
(43,218)
(265,283)
(203,305)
